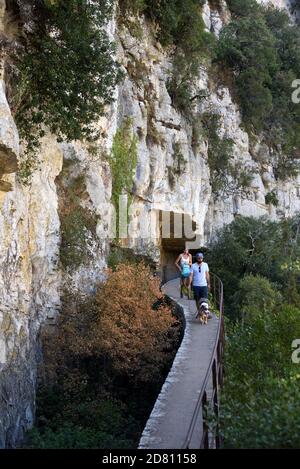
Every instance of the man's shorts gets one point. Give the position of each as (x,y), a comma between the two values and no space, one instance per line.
(200,292)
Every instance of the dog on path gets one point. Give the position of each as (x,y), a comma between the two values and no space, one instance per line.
(203,313)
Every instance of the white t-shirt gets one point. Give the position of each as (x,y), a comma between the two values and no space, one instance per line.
(199,278)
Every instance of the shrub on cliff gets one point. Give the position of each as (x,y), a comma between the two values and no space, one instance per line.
(119,327)
(182,27)
(243,7)
(261,48)
(64,71)
(247,46)
(105,364)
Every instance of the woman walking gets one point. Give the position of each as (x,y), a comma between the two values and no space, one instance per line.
(184,264)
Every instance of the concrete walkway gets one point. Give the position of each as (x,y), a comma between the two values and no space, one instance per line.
(170,419)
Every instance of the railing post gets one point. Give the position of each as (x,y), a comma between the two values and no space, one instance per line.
(205,439)
(216,365)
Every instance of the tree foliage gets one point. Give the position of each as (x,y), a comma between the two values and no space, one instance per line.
(106,363)
(119,326)
(256,296)
(261,48)
(226,176)
(258,262)
(64,69)
(258,247)
(260,400)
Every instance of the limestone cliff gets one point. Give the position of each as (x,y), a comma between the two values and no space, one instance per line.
(31,272)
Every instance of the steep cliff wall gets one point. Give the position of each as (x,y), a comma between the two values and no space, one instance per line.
(172,174)
(144,97)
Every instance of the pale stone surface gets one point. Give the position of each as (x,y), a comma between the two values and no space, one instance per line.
(29,288)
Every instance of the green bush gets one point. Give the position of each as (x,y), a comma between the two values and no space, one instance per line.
(248,47)
(177,25)
(77,227)
(78,223)
(123,160)
(84,424)
(256,296)
(260,401)
(226,177)
(65,70)
(272,199)
(188,56)
(242,8)
(262,50)
(259,247)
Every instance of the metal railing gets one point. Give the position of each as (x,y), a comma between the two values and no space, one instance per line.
(208,400)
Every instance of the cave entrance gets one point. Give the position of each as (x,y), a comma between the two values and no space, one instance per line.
(177,232)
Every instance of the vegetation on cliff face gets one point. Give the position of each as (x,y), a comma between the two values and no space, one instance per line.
(62,72)
(106,364)
(258,262)
(182,30)
(123,160)
(226,176)
(262,49)
(78,223)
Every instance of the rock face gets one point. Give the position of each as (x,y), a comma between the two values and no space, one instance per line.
(172,175)
(29,289)
(144,97)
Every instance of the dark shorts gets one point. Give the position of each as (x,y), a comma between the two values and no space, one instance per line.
(200,292)
(184,277)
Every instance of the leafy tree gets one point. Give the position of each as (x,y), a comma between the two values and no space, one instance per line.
(255,97)
(248,47)
(260,401)
(256,296)
(226,177)
(261,47)
(65,72)
(105,365)
(242,8)
(177,25)
(132,338)
(259,247)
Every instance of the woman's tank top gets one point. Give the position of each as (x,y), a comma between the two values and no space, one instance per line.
(185,265)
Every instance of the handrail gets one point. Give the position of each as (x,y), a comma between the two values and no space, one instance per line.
(215,370)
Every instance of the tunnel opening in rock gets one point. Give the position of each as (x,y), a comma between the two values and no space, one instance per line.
(177,232)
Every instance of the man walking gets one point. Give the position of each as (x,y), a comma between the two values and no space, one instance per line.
(200,278)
